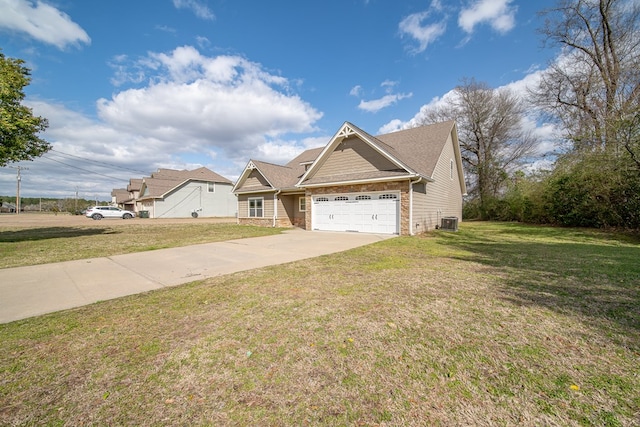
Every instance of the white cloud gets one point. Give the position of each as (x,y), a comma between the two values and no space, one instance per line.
(278,152)
(125,71)
(393,126)
(356,91)
(41,21)
(89,156)
(418,118)
(197,7)
(388,85)
(188,106)
(425,34)
(376,105)
(547,133)
(203,41)
(497,13)
(196,101)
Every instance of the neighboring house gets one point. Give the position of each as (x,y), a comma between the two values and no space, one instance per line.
(7,207)
(180,194)
(135,184)
(403,183)
(119,197)
(126,198)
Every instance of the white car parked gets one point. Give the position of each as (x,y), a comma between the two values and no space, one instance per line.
(99,212)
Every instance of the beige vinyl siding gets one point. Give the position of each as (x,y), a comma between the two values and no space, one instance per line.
(267,204)
(285,208)
(255,179)
(443,197)
(422,217)
(354,156)
(288,210)
(296,207)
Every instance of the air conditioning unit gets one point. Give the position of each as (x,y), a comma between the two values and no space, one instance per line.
(449,223)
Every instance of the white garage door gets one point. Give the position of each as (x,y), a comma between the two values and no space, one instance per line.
(368,213)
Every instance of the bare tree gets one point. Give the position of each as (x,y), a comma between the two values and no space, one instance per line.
(493,140)
(593,88)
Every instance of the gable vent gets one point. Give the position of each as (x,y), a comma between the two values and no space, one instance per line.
(346,131)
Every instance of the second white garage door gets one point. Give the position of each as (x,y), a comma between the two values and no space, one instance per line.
(368,213)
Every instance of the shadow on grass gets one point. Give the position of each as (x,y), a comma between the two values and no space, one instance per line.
(591,274)
(34,234)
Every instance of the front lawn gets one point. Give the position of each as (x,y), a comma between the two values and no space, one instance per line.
(498,324)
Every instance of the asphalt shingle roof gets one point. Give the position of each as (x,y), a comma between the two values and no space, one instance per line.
(287,176)
(418,149)
(164,180)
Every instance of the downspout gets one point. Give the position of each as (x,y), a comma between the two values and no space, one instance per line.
(275,207)
(411,183)
(237,210)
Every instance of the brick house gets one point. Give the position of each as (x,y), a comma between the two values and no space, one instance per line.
(402,183)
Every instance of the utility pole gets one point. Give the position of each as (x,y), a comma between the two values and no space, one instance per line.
(19,178)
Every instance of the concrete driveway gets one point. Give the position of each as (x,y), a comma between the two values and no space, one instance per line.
(41,289)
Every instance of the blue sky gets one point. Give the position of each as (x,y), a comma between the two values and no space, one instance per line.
(132,86)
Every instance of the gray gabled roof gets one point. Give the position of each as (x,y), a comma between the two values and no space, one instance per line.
(121,195)
(135,184)
(415,151)
(420,147)
(165,180)
(200,174)
(281,177)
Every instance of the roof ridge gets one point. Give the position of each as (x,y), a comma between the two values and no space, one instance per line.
(269,163)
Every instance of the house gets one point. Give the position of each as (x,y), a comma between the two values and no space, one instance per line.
(170,193)
(7,207)
(120,196)
(402,183)
(126,198)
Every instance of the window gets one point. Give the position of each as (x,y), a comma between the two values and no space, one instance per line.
(363,197)
(255,207)
(388,196)
(341,198)
(451,170)
(302,204)
(211,187)
(322,199)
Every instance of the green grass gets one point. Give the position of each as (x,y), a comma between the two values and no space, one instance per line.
(22,246)
(498,324)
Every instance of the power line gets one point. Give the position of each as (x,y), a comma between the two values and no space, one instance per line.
(100,163)
(81,169)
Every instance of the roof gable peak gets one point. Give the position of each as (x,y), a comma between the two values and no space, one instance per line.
(346,131)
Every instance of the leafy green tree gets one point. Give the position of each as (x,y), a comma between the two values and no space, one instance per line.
(18,126)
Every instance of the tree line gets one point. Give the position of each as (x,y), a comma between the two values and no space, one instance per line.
(45,204)
(590,93)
